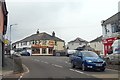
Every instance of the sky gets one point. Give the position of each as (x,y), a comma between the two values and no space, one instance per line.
(69,19)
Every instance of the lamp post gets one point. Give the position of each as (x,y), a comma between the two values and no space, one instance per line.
(10,36)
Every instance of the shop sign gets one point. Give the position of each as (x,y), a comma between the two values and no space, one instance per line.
(51,43)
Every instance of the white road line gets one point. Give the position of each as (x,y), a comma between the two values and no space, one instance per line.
(24,73)
(42,61)
(78,71)
(67,62)
(57,66)
(113,70)
(36,60)
(46,62)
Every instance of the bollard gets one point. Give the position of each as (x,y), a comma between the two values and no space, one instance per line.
(17,64)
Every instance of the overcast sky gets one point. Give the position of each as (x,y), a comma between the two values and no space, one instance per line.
(69,19)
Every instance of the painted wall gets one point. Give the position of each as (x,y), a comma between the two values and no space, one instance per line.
(1,19)
(1,31)
(60,46)
(98,46)
(72,46)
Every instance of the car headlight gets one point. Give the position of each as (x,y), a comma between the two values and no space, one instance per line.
(104,61)
(88,61)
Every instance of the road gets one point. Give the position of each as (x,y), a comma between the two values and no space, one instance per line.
(59,67)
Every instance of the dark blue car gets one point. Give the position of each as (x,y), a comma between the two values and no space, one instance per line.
(87,60)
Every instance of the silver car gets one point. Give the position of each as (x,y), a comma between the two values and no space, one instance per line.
(114,57)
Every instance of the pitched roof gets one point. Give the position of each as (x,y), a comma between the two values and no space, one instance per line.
(112,19)
(40,36)
(98,39)
(78,40)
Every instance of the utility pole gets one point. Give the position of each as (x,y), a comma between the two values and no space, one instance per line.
(10,36)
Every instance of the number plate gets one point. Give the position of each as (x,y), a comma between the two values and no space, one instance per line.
(98,64)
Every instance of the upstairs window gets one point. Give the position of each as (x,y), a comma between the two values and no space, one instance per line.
(114,28)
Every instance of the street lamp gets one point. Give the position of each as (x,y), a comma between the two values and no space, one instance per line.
(10,35)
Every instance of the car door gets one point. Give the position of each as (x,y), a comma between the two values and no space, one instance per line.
(79,59)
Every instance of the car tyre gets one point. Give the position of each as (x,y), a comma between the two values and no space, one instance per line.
(83,67)
(108,61)
(102,69)
(72,64)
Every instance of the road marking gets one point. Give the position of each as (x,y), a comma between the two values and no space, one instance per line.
(24,72)
(113,70)
(67,62)
(36,60)
(46,62)
(77,71)
(42,61)
(57,66)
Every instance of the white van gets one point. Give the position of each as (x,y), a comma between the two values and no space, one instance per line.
(70,52)
(115,56)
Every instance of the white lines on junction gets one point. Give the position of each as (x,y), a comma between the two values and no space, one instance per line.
(67,62)
(57,66)
(77,71)
(36,60)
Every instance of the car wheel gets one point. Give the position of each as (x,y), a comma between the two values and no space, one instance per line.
(108,61)
(102,69)
(83,67)
(72,64)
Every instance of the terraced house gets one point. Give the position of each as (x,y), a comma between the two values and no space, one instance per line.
(41,44)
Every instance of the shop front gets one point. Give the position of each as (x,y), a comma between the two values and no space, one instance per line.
(39,49)
(108,44)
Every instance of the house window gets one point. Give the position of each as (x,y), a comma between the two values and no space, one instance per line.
(33,42)
(43,50)
(29,43)
(106,30)
(80,44)
(44,42)
(24,43)
(21,43)
(114,28)
(39,41)
(56,43)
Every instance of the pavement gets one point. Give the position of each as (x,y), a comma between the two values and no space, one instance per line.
(10,69)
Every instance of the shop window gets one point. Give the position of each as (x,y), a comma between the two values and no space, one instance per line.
(35,50)
(50,50)
(43,50)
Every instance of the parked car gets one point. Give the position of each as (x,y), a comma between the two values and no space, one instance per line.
(70,52)
(87,60)
(25,53)
(114,56)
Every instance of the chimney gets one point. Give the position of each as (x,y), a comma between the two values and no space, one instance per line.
(53,34)
(38,31)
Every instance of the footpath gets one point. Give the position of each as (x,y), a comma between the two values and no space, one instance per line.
(12,68)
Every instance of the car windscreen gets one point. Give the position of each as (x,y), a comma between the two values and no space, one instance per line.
(89,54)
(117,50)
